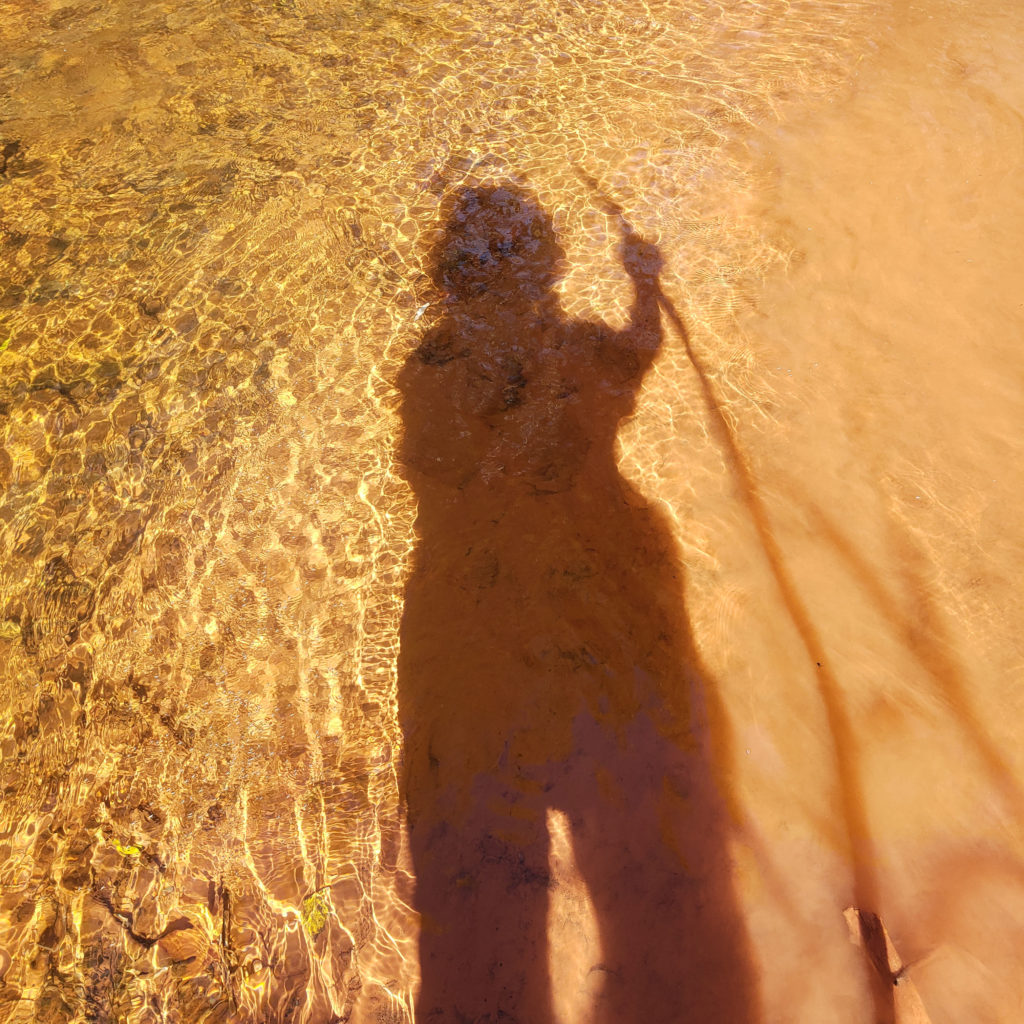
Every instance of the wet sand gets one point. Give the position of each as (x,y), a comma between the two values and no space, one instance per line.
(349,676)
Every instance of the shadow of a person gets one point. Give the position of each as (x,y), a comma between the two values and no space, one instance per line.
(546,662)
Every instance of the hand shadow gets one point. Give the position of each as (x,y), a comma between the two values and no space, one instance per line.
(546,660)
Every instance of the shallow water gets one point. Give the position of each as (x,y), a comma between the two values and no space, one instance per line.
(216,227)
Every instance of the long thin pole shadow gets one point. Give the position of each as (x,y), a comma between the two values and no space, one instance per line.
(860,843)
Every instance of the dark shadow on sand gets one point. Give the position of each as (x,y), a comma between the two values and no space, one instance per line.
(546,659)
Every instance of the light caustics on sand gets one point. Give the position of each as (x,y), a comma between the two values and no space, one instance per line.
(215,261)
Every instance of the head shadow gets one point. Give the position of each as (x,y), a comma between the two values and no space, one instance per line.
(546,661)
(495,238)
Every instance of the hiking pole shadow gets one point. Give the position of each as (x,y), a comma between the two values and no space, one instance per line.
(860,844)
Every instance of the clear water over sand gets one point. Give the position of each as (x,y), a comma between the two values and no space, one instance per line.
(734,629)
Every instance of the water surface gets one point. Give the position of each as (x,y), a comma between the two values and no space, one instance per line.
(216,230)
